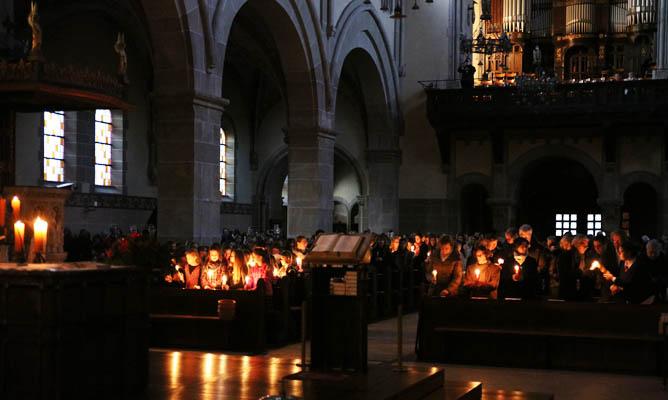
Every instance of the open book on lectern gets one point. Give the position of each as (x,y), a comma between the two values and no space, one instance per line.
(338,249)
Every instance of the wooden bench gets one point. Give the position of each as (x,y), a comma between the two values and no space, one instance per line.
(587,336)
(189,318)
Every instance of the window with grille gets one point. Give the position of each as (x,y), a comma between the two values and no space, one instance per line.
(54,146)
(594,224)
(566,223)
(103,128)
(223,162)
(227,163)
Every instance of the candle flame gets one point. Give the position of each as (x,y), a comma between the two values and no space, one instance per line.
(477,272)
(224,279)
(434,272)
(517,269)
(595,265)
(500,261)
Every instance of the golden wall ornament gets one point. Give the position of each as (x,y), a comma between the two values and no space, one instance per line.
(122,58)
(36,48)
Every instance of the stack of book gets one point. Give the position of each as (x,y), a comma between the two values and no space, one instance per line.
(337,287)
(351,283)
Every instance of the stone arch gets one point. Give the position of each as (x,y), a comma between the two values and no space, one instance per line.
(359,32)
(483,184)
(274,171)
(302,55)
(649,178)
(519,166)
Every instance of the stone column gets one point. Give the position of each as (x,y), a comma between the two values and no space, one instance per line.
(310,180)
(503,214)
(383,201)
(363,218)
(188,132)
(661,71)
(611,214)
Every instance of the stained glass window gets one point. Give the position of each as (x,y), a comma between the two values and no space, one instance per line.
(103,127)
(223,162)
(54,146)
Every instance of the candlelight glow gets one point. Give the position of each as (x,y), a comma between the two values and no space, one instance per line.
(595,265)
(16,208)
(477,273)
(19,237)
(517,269)
(40,228)
(500,261)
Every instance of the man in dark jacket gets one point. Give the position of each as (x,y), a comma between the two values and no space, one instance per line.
(633,284)
(519,275)
(445,270)
(538,252)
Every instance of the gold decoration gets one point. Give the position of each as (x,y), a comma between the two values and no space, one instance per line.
(122,58)
(33,21)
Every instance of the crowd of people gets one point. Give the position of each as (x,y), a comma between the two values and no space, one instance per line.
(510,266)
(517,266)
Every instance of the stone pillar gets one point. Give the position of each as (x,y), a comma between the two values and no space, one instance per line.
(363,214)
(611,214)
(503,214)
(310,180)
(188,131)
(661,71)
(383,201)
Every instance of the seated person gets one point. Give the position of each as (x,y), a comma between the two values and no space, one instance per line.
(214,270)
(192,269)
(633,285)
(482,277)
(445,269)
(237,270)
(258,268)
(175,275)
(655,261)
(519,276)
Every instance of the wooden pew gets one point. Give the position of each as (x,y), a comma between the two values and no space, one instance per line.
(582,336)
(189,318)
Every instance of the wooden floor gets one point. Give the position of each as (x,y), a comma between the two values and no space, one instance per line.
(195,375)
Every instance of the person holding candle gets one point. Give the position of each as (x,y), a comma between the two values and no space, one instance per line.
(633,285)
(175,275)
(214,269)
(258,268)
(193,269)
(448,266)
(519,275)
(482,277)
(585,278)
(237,270)
(538,253)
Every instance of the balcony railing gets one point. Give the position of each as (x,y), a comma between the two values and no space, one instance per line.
(456,106)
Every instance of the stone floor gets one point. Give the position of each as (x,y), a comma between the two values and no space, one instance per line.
(563,384)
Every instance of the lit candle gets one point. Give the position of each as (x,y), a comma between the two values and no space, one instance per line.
(224,280)
(595,265)
(16,208)
(429,253)
(517,269)
(40,228)
(209,274)
(434,273)
(500,261)
(413,248)
(19,237)
(299,263)
(477,273)
(248,281)
(3,209)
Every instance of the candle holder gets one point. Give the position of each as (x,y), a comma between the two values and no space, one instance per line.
(39,258)
(20,258)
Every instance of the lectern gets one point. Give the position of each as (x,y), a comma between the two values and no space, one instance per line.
(339,302)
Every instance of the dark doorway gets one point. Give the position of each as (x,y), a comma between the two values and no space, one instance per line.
(476,215)
(552,186)
(641,205)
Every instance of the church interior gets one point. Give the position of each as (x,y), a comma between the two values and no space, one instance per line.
(315,199)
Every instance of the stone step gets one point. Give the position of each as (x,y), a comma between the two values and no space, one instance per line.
(457,390)
(514,395)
